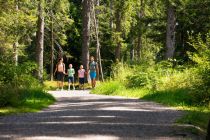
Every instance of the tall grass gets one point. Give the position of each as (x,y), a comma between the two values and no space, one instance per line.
(164,84)
(20,91)
(24,100)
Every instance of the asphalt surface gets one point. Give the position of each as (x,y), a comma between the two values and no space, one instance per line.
(78,115)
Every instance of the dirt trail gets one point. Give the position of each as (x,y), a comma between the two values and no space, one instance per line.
(78,115)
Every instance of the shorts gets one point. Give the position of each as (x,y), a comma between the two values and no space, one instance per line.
(71,79)
(82,80)
(93,75)
(60,76)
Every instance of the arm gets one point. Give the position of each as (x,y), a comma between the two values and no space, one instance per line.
(97,71)
(64,69)
(55,69)
(73,71)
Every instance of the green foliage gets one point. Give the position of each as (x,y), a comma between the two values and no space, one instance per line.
(34,95)
(8,96)
(18,76)
(185,87)
(15,81)
(13,97)
(120,71)
(201,90)
(110,88)
(23,100)
(199,116)
(173,97)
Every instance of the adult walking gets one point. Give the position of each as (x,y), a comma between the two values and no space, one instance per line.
(93,70)
(60,69)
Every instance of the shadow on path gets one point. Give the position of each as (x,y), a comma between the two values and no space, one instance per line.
(79,115)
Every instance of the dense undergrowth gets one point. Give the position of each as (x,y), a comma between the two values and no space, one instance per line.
(19,89)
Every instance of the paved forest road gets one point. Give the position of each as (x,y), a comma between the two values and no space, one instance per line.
(78,115)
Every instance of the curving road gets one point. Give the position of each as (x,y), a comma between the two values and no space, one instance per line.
(78,115)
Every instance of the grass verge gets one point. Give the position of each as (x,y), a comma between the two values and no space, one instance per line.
(179,98)
(32,100)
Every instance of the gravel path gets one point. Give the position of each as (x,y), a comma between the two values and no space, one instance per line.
(78,115)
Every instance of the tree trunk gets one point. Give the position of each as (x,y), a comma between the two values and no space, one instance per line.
(118,30)
(15,45)
(170,35)
(86,5)
(98,53)
(132,52)
(111,12)
(52,49)
(40,40)
(139,44)
(15,51)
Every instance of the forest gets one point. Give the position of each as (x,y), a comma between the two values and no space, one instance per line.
(157,50)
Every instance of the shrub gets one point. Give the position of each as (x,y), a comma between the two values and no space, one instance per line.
(15,80)
(8,96)
(109,88)
(200,92)
(120,71)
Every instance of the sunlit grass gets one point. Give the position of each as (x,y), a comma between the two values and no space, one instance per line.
(195,115)
(30,101)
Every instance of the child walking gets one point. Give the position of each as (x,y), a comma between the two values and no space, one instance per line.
(81,75)
(71,73)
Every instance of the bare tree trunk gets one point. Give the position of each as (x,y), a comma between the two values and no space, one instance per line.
(98,53)
(170,36)
(132,51)
(86,5)
(52,49)
(139,44)
(40,40)
(118,30)
(15,52)
(16,44)
(111,12)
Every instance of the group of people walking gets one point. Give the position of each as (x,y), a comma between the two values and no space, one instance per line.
(60,70)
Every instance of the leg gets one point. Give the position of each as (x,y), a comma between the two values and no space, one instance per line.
(57,84)
(58,81)
(80,83)
(62,83)
(73,83)
(69,86)
(94,83)
(69,83)
(83,82)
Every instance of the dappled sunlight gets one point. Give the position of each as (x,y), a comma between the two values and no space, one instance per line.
(88,116)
